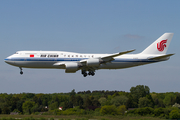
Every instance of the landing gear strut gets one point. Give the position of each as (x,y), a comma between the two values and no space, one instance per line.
(21,72)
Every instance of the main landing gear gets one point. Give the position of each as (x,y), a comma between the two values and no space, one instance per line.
(89,73)
(21,72)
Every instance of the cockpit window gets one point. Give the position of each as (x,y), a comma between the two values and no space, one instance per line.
(16,53)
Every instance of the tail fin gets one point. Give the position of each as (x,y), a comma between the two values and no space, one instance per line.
(160,46)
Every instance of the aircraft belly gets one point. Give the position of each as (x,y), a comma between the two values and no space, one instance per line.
(36,64)
(120,65)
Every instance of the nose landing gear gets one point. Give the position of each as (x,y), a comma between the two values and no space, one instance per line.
(21,72)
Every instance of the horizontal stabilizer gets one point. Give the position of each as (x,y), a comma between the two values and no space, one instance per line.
(161,57)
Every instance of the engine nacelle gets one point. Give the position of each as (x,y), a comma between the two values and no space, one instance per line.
(93,62)
(71,67)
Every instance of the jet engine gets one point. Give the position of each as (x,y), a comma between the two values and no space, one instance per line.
(93,62)
(71,67)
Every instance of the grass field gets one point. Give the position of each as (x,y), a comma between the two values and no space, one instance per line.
(73,117)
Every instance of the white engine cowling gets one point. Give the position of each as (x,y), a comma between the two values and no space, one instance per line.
(71,67)
(93,62)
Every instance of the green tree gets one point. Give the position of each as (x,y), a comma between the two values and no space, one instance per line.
(72,99)
(19,105)
(12,102)
(91,103)
(139,91)
(119,100)
(35,108)
(102,101)
(95,102)
(5,110)
(54,106)
(178,98)
(87,103)
(27,105)
(121,109)
(67,104)
(154,96)
(157,101)
(160,103)
(79,101)
(109,109)
(55,99)
(72,92)
(168,100)
(144,102)
(4,106)
(131,103)
(144,111)
(149,97)
(45,98)
(158,111)
(174,114)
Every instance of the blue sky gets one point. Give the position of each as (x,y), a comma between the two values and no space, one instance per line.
(103,26)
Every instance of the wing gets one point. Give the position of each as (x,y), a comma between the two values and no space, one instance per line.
(111,57)
(105,59)
(91,64)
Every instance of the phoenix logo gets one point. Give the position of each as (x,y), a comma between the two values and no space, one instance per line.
(161,45)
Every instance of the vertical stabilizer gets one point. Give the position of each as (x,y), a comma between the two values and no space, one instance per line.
(160,46)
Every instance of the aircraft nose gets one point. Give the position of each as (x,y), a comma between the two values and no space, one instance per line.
(7,60)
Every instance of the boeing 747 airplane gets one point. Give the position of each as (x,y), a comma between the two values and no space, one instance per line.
(89,63)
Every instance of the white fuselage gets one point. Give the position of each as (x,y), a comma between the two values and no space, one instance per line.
(47,59)
(73,62)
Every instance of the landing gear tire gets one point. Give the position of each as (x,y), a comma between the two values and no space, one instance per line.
(21,72)
(91,73)
(85,74)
